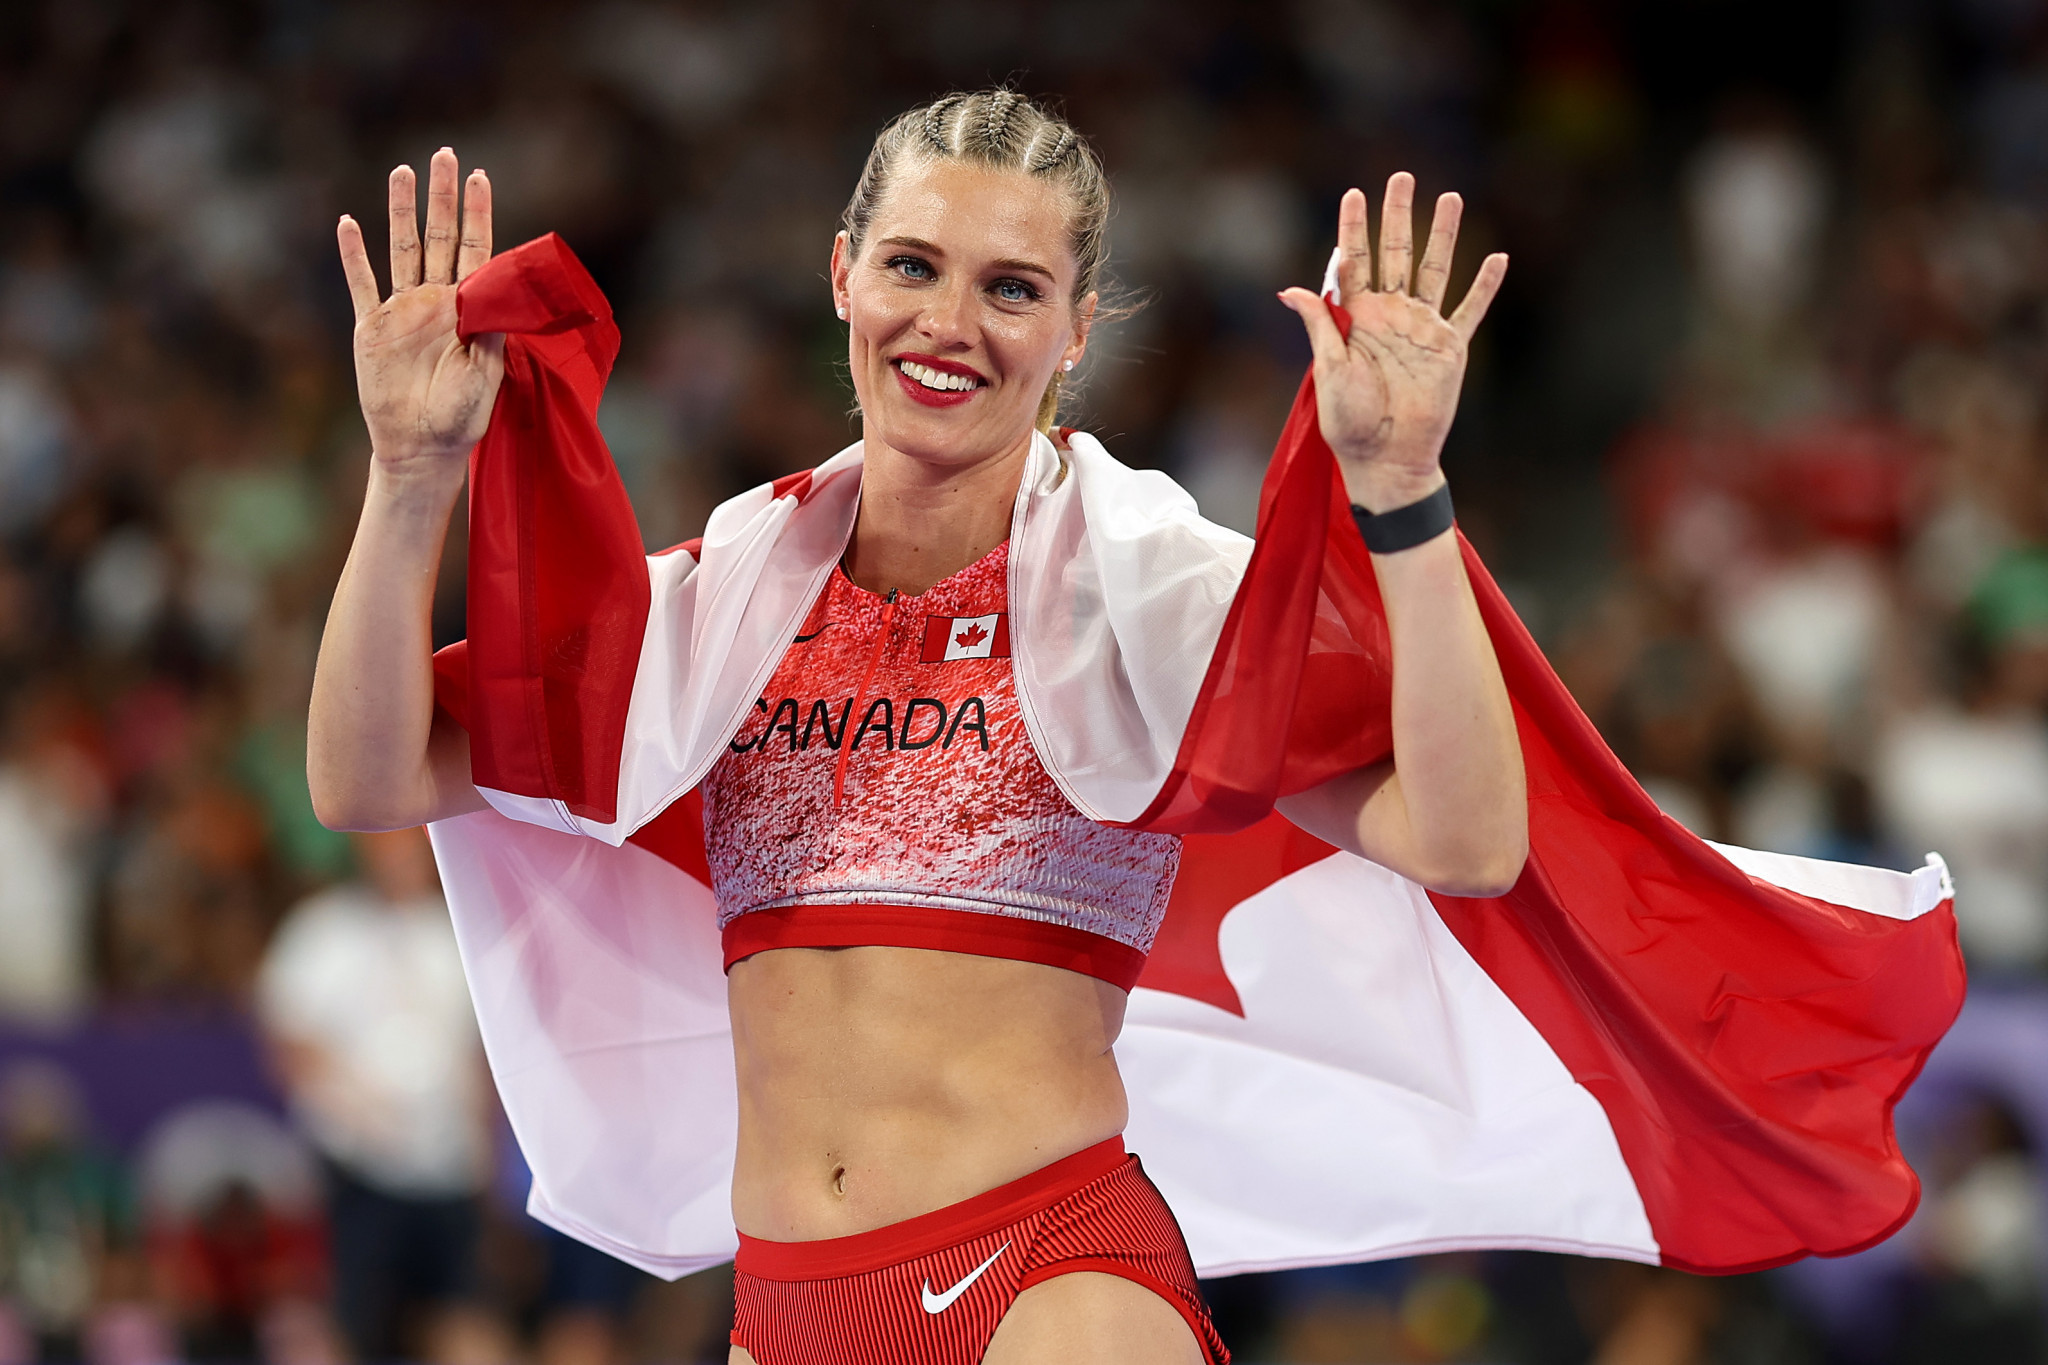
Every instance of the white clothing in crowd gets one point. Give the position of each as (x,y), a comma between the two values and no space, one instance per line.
(43,903)
(366,996)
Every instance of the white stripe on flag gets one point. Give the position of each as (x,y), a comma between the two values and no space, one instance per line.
(972,637)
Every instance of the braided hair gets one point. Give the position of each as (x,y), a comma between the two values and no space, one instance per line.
(935,122)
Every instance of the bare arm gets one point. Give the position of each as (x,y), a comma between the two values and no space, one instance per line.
(1451,808)
(376,756)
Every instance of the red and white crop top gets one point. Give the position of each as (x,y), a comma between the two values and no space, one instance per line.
(932,824)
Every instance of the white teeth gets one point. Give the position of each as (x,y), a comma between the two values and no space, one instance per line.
(933,379)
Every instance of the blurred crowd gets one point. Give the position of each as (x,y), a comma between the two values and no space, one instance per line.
(1754,439)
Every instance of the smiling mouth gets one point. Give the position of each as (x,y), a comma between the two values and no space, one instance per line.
(935,379)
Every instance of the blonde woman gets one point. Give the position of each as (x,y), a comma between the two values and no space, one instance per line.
(929,946)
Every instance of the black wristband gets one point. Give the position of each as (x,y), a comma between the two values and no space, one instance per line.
(1404,528)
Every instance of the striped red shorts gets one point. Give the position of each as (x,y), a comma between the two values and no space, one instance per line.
(931,1289)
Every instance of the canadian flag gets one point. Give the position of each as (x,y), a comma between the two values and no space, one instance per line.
(966,637)
(1653,1047)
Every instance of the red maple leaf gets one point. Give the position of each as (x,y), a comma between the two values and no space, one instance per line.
(1217,873)
(970,637)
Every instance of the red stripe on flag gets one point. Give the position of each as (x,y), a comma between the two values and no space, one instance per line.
(936,629)
(558,594)
(1747,1043)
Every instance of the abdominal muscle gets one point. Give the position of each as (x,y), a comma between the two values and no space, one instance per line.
(877,1084)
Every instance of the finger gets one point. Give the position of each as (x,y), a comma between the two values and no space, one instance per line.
(1472,308)
(1354,248)
(1433,276)
(1397,233)
(487,353)
(355,267)
(476,224)
(1323,337)
(405,230)
(442,229)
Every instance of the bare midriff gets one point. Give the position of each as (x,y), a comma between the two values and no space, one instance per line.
(880,1083)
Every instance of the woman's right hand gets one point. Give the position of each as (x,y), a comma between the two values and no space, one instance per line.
(426,395)
(378,753)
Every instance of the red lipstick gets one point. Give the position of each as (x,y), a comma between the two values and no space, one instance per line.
(936,398)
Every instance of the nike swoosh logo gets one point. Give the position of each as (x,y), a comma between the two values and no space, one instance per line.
(939,1303)
(806,639)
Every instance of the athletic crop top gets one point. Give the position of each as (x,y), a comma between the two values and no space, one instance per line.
(931,825)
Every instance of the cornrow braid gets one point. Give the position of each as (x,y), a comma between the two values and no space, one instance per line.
(1000,130)
(999,108)
(935,121)
(1053,154)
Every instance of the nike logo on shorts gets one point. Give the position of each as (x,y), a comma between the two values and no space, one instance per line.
(939,1303)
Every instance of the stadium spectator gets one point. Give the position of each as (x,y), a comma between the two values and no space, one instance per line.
(67,1217)
(363,1000)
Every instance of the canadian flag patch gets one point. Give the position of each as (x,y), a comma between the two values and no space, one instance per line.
(966,637)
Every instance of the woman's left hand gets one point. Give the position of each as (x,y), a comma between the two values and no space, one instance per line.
(1388,391)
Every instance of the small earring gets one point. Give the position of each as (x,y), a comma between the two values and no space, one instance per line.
(1066,364)
(842,315)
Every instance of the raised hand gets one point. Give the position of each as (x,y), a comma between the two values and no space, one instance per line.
(426,395)
(1388,391)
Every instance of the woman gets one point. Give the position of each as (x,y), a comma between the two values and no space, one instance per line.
(929,946)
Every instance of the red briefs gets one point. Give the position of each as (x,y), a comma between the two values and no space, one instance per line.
(931,1289)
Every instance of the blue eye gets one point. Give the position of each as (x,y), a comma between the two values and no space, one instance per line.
(1015,291)
(913,267)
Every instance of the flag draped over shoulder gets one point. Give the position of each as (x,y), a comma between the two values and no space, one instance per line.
(1653,1047)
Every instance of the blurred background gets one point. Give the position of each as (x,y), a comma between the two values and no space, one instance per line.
(1754,437)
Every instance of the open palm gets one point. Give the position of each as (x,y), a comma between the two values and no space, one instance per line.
(1387,391)
(426,394)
